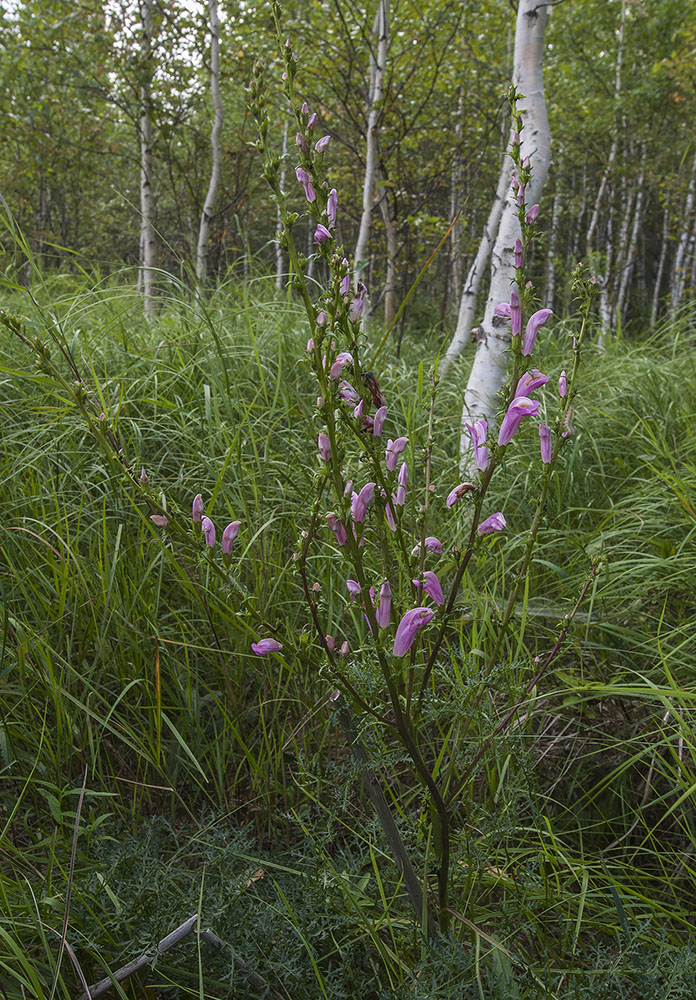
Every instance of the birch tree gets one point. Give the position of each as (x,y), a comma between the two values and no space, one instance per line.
(215,142)
(148,246)
(490,363)
(378,63)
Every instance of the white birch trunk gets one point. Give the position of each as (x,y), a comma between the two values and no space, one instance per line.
(392,250)
(378,65)
(660,267)
(467,305)
(679,268)
(216,145)
(490,364)
(631,250)
(280,267)
(148,245)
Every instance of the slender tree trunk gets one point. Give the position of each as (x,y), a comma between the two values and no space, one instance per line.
(378,62)
(455,267)
(392,250)
(280,268)
(216,145)
(148,245)
(629,256)
(467,305)
(679,267)
(490,364)
(660,266)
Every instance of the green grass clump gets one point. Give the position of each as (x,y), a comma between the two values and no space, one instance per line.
(221,782)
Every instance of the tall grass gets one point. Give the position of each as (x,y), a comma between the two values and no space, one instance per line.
(213,775)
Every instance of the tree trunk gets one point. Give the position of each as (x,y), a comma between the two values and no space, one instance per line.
(147,230)
(467,305)
(490,364)
(679,268)
(378,64)
(216,145)
(279,222)
(392,250)
(629,256)
(661,266)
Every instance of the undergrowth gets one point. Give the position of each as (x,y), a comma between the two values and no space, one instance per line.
(219,782)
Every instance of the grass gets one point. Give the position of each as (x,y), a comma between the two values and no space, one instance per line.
(221,780)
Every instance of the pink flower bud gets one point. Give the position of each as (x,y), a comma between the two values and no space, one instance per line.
(361,501)
(345,648)
(312,120)
(353,588)
(519,259)
(394,449)
(496,522)
(515,314)
(378,425)
(160,520)
(197,508)
(320,402)
(324,446)
(305,108)
(143,476)
(321,234)
(300,142)
(208,529)
(338,528)
(545,443)
(322,144)
(330,643)
(563,385)
(265,646)
(532,215)
(306,182)
(228,537)
(310,345)
(321,319)
(408,628)
(332,206)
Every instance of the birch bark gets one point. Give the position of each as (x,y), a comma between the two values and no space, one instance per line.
(378,62)
(490,364)
(661,266)
(216,145)
(148,247)
(679,268)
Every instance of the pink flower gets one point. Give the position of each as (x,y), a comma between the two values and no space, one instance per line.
(300,142)
(389,511)
(310,345)
(361,501)
(519,259)
(228,537)
(496,522)
(478,431)
(347,393)
(545,442)
(342,359)
(345,648)
(432,544)
(330,643)
(143,476)
(383,609)
(160,520)
(338,528)
(324,446)
(265,646)
(403,483)
(197,508)
(353,588)
(332,206)
(563,385)
(305,108)
(312,120)
(321,234)
(515,313)
(408,628)
(321,144)
(380,417)
(532,215)
(432,587)
(536,321)
(530,381)
(520,407)
(321,318)
(344,287)
(394,449)
(208,531)
(306,182)
(503,309)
